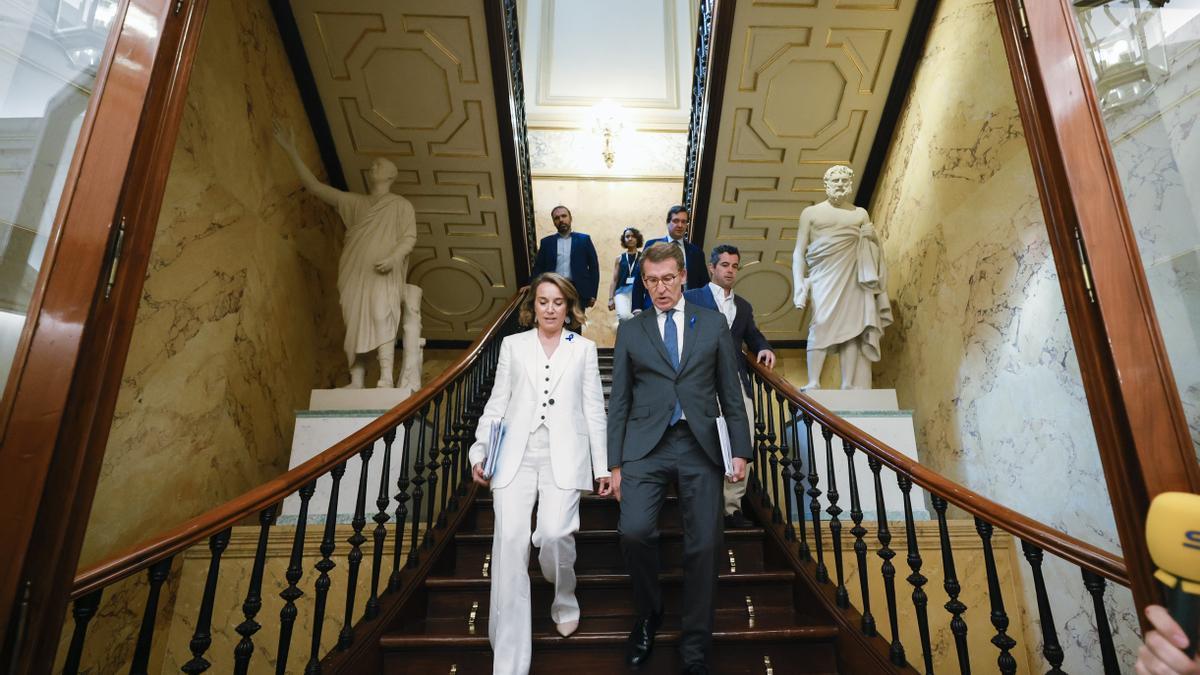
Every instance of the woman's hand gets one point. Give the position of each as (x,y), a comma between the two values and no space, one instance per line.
(605,486)
(612,304)
(477,474)
(1163,650)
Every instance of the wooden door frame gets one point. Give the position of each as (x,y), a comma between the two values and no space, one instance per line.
(70,359)
(1135,406)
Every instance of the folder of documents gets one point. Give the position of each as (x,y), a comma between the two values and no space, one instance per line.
(726,448)
(495,439)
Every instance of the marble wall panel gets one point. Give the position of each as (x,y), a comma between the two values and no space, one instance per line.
(602,209)
(239,317)
(981,349)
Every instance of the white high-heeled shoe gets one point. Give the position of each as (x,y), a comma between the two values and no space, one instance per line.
(567,628)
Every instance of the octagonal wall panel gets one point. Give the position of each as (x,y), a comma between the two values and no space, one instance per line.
(807,83)
(410,80)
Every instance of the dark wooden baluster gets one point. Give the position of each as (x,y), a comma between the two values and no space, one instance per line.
(287,615)
(401,506)
(82,610)
(253,602)
(958,625)
(356,540)
(418,494)
(814,506)
(772,450)
(449,448)
(381,518)
(918,580)
(1051,649)
(835,522)
(760,440)
(1001,640)
(460,430)
(202,636)
(798,485)
(860,545)
(433,465)
(324,565)
(789,530)
(1094,583)
(158,573)
(884,534)
(460,398)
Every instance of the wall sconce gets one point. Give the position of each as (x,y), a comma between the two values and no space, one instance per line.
(1125,47)
(607,123)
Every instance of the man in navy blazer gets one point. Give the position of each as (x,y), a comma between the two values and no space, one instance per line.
(724,263)
(697,273)
(572,255)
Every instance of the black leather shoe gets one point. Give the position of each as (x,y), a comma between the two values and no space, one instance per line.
(695,669)
(737,521)
(641,640)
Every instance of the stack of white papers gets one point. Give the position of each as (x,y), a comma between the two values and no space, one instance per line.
(495,438)
(726,448)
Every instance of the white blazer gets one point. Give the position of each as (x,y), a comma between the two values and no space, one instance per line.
(574,410)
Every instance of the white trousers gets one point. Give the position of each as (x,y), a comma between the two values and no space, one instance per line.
(735,491)
(624,305)
(510,628)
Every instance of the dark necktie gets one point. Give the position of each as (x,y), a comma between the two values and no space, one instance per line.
(671,342)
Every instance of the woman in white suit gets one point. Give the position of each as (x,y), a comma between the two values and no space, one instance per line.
(548,394)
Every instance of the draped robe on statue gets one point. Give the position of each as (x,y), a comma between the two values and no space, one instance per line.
(848,294)
(371,302)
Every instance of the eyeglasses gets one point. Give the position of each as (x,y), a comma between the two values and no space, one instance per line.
(653,282)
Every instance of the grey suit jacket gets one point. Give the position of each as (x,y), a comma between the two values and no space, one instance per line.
(645,386)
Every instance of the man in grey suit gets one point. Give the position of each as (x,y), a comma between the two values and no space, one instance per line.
(671,367)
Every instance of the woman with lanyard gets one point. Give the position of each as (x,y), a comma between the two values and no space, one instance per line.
(621,296)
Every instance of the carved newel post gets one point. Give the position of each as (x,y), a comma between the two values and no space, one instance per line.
(381,231)
(838,261)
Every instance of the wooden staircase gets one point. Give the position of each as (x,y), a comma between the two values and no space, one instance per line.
(767,618)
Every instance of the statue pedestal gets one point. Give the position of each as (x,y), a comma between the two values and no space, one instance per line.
(318,430)
(366,399)
(876,412)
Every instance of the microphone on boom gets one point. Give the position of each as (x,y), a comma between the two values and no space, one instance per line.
(1173,537)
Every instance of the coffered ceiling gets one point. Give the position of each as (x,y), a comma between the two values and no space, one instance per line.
(804,90)
(410,80)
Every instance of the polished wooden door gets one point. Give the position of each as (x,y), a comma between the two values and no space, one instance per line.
(59,397)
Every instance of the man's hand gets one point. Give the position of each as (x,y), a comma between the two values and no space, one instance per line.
(477,474)
(605,486)
(739,470)
(383,266)
(612,304)
(1162,653)
(615,484)
(767,358)
(591,303)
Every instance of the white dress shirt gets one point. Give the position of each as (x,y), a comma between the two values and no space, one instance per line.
(662,327)
(725,303)
(682,247)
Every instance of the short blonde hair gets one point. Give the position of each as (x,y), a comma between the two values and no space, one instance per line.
(528,317)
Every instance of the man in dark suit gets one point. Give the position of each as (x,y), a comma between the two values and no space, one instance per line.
(693,257)
(572,255)
(723,265)
(671,367)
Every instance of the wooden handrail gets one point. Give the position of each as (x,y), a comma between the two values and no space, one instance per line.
(253,501)
(1075,551)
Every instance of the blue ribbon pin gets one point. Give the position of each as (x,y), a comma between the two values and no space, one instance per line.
(692,322)
(570,337)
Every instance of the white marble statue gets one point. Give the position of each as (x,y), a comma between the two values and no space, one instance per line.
(838,260)
(381,231)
